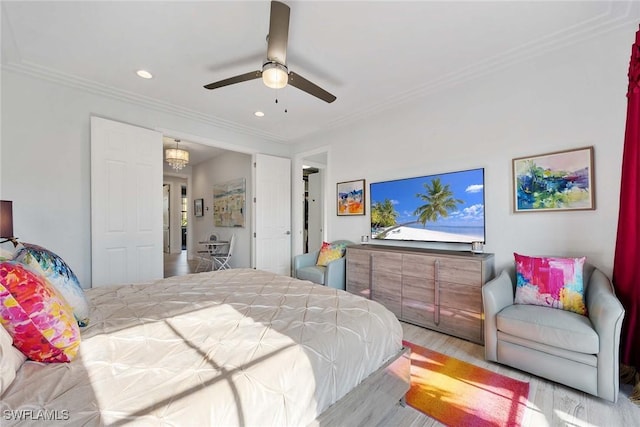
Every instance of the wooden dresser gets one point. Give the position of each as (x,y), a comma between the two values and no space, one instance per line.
(440,290)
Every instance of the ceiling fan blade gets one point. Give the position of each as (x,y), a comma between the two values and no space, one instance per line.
(233,80)
(301,83)
(278,32)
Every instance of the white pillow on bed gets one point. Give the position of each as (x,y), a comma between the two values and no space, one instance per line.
(10,360)
(7,250)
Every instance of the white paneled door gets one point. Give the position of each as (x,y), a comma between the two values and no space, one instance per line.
(272,214)
(126,203)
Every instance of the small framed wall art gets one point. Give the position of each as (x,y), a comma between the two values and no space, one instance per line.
(351,198)
(198,207)
(559,181)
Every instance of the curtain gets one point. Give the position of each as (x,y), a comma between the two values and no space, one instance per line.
(626,265)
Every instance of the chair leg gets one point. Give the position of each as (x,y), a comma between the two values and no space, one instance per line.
(203,262)
(221,264)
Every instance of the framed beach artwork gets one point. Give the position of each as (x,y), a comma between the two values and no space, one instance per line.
(229,203)
(559,181)
(198,207)
(351,198)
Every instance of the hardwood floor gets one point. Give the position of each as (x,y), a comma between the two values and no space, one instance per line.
(549,404)
(178,265)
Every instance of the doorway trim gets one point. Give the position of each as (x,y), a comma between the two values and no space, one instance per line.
(172,133)
(190,246)
(298,195)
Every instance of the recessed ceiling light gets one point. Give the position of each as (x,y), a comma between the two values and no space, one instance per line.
(144,74)
(258,114)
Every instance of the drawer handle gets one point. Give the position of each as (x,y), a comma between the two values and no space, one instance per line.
(436,311)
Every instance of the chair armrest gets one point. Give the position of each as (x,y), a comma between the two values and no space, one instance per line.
(335,275)
(496,295)
(304,260)
(606,314)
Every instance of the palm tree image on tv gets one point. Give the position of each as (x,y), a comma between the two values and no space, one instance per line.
(383,214)
(447,208)
(439,201)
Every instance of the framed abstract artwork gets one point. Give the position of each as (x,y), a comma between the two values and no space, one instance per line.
(229,203)
(559,181)
(351,198)
(198,207)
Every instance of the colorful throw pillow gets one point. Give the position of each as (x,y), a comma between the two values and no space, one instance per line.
(330,252)
(550,282)
(38,319)
(51,266)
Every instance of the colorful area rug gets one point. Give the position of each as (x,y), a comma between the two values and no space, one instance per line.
(457,393)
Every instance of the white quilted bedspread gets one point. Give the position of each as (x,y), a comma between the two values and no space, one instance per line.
(235,347)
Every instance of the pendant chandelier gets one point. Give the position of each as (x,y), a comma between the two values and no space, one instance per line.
(176,157)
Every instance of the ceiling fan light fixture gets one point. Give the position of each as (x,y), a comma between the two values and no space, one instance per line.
(275,75)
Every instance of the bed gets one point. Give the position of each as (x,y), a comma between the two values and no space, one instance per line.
(232,347)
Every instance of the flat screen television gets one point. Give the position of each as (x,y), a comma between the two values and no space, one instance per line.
(448,207)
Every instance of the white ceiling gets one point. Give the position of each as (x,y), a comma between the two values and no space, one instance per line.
(372,55)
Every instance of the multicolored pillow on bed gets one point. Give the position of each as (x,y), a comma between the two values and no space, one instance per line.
(38,319)
(330,252)
(550,282)
(51,266)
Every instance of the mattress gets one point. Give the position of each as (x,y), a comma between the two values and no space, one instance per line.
(232,347)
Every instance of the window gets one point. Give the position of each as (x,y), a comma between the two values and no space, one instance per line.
(184,206)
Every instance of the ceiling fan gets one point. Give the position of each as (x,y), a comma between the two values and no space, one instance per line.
(274,72)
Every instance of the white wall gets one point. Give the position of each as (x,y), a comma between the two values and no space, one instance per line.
(45,158)
(225,167)
(570,98)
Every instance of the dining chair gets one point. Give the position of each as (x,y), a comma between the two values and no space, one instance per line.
(205,256)
(221,260)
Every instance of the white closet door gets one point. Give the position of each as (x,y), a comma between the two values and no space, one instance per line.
(272,214)
(126,203)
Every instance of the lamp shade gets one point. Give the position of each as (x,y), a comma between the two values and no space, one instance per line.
(177,158)
(274,75)
(6,218)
